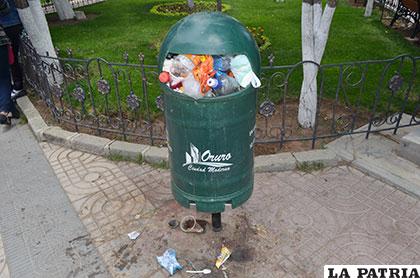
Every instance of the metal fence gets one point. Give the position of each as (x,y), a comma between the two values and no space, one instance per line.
(392,5)
(389,4)
(48,5)
(124,101)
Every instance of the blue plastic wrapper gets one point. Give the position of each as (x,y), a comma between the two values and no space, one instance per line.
(168,261)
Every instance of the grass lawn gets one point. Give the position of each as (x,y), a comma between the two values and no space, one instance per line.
(116,26)
(127,25)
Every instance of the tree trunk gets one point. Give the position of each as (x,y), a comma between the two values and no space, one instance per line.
(190,4)
(219,5)
(315,28)
(35,24)
(307,102)
(64,9)
(369,8)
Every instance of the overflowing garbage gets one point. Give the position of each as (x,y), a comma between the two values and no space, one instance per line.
(201,76)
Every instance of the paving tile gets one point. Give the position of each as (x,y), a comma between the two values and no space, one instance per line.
(41,233)
(294,223)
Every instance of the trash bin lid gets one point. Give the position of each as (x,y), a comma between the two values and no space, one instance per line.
(212,33)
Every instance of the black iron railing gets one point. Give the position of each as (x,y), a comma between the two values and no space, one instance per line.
(393,6)
(48,5)
(123,100)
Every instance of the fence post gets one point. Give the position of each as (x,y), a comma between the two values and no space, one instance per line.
(146,96)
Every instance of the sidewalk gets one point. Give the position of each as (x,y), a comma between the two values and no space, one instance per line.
(293,224)
(41,233)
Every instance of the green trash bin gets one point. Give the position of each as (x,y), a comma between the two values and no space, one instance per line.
(210,140)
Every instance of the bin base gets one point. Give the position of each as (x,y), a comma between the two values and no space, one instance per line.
(212,205)
(216,221)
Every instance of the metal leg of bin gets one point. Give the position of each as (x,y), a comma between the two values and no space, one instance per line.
(216,221)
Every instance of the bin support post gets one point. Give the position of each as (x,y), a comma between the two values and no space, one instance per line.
(216,221)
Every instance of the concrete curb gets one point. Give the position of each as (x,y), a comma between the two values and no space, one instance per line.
(151,154)
(395,180)
(380,156)
(275,162)
(35,121)
(410,147)
(325,157)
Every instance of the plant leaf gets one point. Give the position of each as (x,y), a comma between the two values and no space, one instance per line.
(187,159)
(195,154)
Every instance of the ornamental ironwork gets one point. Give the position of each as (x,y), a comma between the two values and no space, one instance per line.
(267,108)
(79,93)
(395,83)
(57,91)
(350,95)
(133,101)
(159,103)
(103,86)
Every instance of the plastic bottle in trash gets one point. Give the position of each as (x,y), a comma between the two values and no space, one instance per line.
(181,66)
(221,63)
(224,85)
(209,94)
(191,87)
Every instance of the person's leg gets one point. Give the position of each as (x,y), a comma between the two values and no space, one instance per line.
(5,87)
(14,33)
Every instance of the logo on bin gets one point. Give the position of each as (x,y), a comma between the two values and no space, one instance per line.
(206,162)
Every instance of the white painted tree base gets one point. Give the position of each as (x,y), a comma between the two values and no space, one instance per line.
(64,9)
(369,8)
(315,28)
(36,26)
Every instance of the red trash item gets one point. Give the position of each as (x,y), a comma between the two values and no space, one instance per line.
(203,71)
(164,77)
(176,86)
(11,55)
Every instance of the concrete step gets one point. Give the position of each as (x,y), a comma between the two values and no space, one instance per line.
(377,156)
(410,146)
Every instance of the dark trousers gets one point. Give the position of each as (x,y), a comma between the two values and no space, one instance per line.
(6,104)
(13,32)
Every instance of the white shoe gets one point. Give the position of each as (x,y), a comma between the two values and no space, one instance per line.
(17,94)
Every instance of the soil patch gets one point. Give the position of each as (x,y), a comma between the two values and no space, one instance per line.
(329,123)
(402,26)
(268,131)
(243,254)
(53,20)
(357,3)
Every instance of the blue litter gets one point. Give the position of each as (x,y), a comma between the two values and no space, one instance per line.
(168,261)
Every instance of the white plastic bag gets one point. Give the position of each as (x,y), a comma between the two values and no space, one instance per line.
(242,70)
